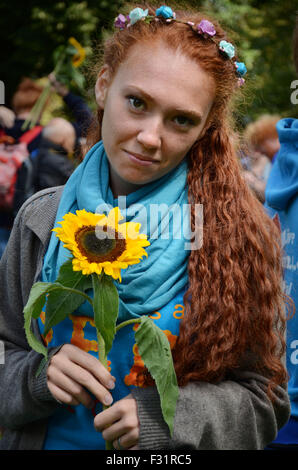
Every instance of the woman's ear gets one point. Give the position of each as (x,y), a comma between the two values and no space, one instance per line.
(102,85)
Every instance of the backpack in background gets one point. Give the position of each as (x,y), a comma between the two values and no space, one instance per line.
(12,156)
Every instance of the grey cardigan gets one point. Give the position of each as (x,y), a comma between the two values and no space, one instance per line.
(234,414)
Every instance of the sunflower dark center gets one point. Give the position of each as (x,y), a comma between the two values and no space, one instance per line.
(102,244)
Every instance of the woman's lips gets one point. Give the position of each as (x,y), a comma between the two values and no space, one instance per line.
(144,161)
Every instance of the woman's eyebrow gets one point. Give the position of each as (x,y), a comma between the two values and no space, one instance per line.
(189,113)
(186,112)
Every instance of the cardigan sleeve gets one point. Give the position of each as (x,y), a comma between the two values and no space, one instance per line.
(232,415)
(23,397)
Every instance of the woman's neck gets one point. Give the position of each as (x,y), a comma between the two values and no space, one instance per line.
(120,187)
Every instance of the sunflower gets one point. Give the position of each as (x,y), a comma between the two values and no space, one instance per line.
(79,57)
(99,243)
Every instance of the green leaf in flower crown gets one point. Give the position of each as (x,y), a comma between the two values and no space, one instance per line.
(106,306)
(33,309)
(155,351)
(62,302)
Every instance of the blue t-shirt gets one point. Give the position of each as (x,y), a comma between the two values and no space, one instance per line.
(71,427)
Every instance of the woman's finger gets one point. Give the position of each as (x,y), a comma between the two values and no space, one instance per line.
(87,380)
(90,363)
(85,370)
(61,395)
(126,441)
(107,418)
(71,387)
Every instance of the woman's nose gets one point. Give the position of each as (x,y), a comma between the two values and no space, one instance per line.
(150,135)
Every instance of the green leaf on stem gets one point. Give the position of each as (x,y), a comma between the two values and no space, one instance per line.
(106,306)
(62,302)
(155,351)
(33,309)
(75,279)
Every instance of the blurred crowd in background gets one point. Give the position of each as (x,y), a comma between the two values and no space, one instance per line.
(37,158)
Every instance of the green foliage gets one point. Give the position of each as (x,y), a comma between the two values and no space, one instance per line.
(62,302)
(33,309)
(33,30)
(262,31)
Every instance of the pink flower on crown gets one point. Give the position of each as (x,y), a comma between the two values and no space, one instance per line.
(206,28)
(120,21)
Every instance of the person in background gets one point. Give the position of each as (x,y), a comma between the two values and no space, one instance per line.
(23,101)
(50,164)
(7,117)
(255,166)
(282,199)
(11,122)
(77,105)
(260,146)
(261,136)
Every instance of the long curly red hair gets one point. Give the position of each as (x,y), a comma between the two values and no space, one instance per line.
(234,306)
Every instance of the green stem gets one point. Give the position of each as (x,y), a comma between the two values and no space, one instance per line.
(37,109)
(104,360)
(128,322)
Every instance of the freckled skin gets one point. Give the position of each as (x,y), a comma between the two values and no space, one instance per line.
(144,113)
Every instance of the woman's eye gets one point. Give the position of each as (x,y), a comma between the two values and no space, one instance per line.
(183,121)
(136,103)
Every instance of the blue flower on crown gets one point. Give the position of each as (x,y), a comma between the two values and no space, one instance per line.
(240,68)
(165,11)
(137,14)
(227,48)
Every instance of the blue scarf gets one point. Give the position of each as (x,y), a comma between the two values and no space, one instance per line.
(156,280)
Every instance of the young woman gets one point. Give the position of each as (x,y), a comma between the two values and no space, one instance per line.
(162,136)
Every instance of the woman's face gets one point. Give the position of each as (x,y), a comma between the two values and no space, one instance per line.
(155,108)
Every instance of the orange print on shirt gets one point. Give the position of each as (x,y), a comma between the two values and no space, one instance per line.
(179,312)
(49,336)
(139,375)
(78,338)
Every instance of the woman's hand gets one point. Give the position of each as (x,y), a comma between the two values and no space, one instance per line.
(119,424)
(71,371)
(58,87)
(7,117)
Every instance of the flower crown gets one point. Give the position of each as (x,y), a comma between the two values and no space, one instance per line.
(205,29)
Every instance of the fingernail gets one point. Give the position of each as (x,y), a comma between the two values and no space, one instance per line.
(108,399)
(111,384)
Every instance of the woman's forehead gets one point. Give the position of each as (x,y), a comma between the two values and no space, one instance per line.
(158,70)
